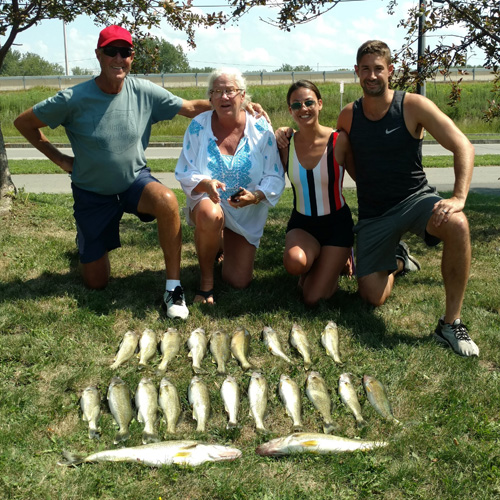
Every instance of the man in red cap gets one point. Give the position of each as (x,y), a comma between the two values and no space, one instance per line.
(108,122)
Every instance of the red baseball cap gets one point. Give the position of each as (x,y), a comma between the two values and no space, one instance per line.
(113,33)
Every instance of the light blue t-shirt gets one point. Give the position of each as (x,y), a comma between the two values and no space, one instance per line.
(108,132)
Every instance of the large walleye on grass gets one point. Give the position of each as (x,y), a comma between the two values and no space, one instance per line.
(127,349)
(158,454)
(314,443)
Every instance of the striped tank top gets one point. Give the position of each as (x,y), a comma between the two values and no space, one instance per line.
(317,191)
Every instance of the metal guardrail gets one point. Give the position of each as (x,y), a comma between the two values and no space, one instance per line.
(172,80)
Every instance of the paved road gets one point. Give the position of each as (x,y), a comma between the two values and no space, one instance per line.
(485,179)
(29,153)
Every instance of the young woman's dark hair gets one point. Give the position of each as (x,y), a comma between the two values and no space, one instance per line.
(302,84)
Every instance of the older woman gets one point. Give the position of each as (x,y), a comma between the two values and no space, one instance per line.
(231,172)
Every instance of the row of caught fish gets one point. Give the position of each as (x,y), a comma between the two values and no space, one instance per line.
(149,402)
(221,346)
(195,453)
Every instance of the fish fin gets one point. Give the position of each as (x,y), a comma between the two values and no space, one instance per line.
(311,443)
(70,459)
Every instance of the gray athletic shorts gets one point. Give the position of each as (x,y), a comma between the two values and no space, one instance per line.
(378,237)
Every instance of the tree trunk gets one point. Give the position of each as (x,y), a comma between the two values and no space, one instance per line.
(7,188)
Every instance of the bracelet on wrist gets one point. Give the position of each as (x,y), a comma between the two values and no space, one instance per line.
(258,198)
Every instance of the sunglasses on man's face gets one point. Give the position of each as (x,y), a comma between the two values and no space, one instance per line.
(112,51)
(298,105)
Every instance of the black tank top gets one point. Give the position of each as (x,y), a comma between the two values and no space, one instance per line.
(387,157)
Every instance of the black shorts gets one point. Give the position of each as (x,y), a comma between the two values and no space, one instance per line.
(333,230)
(98,216)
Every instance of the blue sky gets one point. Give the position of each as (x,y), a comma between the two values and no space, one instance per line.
(327,43)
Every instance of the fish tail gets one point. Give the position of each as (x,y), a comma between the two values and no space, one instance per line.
(330,427)
(245,366)
(297,428)
(94,434)
(231,425)
(68,459)
(121,436)
(362,423)
(149,438)
(221,369)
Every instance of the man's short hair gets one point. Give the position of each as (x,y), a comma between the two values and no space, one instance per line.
(374,47)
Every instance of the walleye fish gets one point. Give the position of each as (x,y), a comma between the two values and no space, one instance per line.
(128,347)
(148,345)
(257,396)
(230,393)
(240,345)
(219,347)
(90,402)
(377,395)
(348,396)
(199,399)
(170,404)
(169,345)
(120,407)
(318,444)
(272,343)
(158,454)
(330,341)
(146,402)
(318,395)
(299,340)
(197,344)
(290,395)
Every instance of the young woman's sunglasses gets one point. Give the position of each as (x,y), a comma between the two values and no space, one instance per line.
(298,105)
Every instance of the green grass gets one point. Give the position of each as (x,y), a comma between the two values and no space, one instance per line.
(168,165)
(57,337)
(468,114)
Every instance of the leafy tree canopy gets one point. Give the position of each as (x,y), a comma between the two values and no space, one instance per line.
(17,64)
(289,67)
(155,56)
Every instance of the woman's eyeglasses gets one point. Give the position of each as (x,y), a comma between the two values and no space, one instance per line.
(112,51)
(298,105)
(218,93)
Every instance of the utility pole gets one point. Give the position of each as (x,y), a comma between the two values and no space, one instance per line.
(65,48)
(421,47)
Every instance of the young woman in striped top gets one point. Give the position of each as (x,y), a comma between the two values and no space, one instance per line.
(319,235)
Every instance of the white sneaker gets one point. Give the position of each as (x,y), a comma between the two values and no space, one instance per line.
(174,303)
(456,337)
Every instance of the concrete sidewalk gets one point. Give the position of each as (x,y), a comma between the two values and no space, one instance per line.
(485,180)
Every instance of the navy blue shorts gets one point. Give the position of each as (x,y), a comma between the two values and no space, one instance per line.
(98,216)
(334,229)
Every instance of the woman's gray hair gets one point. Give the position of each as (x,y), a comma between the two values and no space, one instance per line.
(234,74)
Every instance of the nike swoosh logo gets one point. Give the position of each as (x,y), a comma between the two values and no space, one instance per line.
(391,131)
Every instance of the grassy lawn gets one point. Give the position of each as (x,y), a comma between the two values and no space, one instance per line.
(57,338)
(168,165)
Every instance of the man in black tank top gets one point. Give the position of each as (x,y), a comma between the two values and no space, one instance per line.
(386,128)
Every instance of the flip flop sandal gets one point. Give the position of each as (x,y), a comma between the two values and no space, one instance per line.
(205,295)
